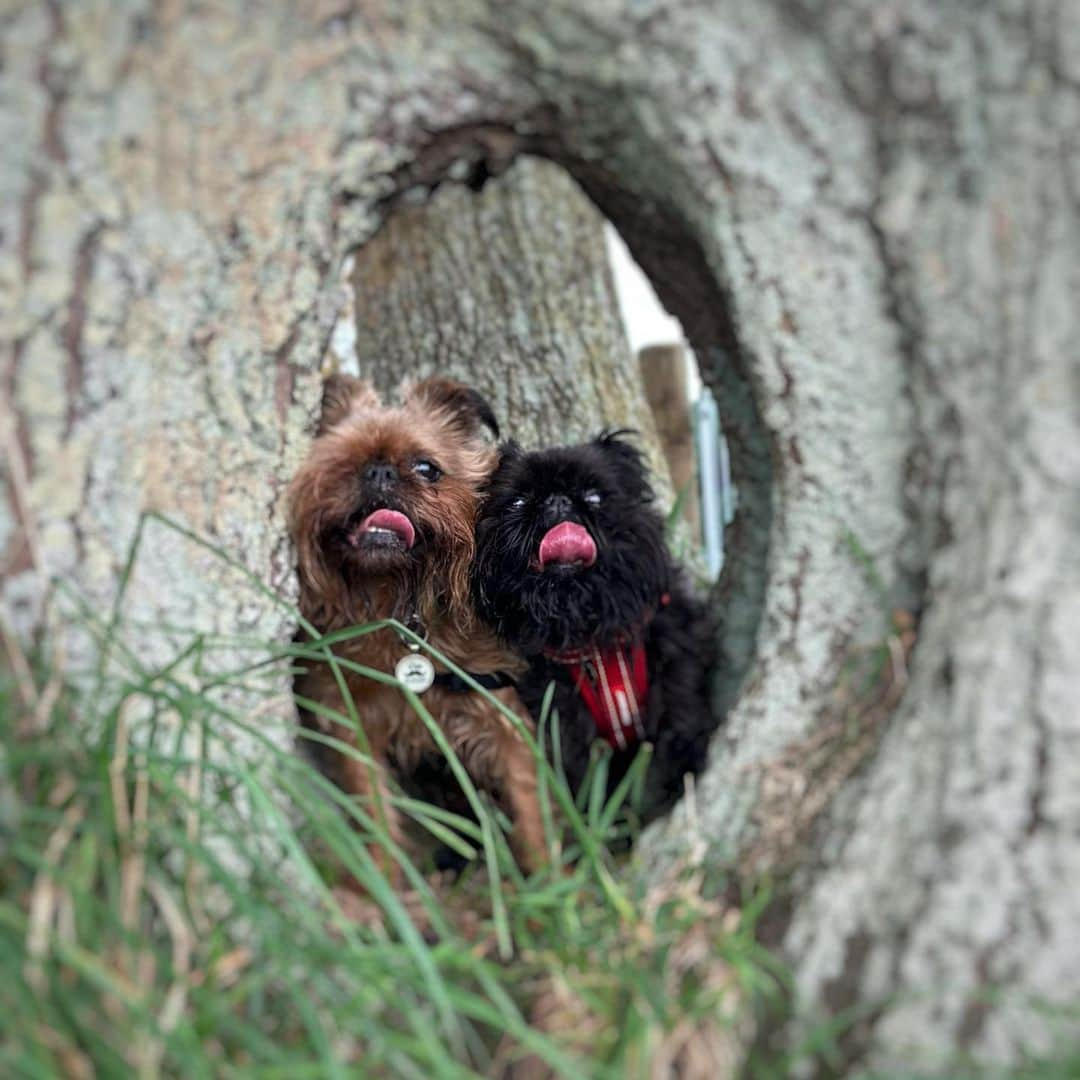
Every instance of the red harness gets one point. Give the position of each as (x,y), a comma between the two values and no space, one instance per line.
(614,684)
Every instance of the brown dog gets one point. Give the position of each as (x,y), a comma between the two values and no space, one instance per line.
(382,514)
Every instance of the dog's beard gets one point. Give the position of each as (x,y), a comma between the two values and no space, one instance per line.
(543,610)
(374,580)
(347,578)
(381,538)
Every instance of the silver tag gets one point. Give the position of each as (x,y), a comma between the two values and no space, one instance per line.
(416,672)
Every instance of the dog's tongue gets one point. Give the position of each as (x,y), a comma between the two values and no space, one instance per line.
(567,542)
(393,521)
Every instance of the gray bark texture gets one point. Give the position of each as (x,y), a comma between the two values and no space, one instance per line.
(866,216)
(508,289)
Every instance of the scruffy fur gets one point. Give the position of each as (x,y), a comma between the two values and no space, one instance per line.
(634,589)
(367,457)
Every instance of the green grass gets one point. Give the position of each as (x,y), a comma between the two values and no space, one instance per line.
(170,903)
(168,900)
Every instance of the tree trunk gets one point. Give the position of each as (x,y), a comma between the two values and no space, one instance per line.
(508,289)
(866,217)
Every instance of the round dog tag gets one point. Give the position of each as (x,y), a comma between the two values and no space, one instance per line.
(416,672)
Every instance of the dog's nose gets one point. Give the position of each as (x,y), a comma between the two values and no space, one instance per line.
(380,474)
(559,506)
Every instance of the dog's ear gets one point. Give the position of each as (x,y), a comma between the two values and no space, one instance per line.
(616,446)
(465,408)
(616,443)
(340,394)
(510,451)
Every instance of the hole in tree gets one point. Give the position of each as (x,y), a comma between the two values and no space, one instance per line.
(662,242)
(478,176)
(483,262)
(684,409)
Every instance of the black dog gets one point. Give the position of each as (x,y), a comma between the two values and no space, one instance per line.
(572,569)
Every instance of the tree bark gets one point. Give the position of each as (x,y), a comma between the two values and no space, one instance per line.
(866,217)
(508,289)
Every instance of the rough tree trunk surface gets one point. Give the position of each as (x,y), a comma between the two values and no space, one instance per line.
(510,290)
(867,218)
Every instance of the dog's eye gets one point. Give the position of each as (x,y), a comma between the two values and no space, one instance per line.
(518,503)
(593,498)
(427,470)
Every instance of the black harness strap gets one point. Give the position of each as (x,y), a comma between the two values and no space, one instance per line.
(450,680)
